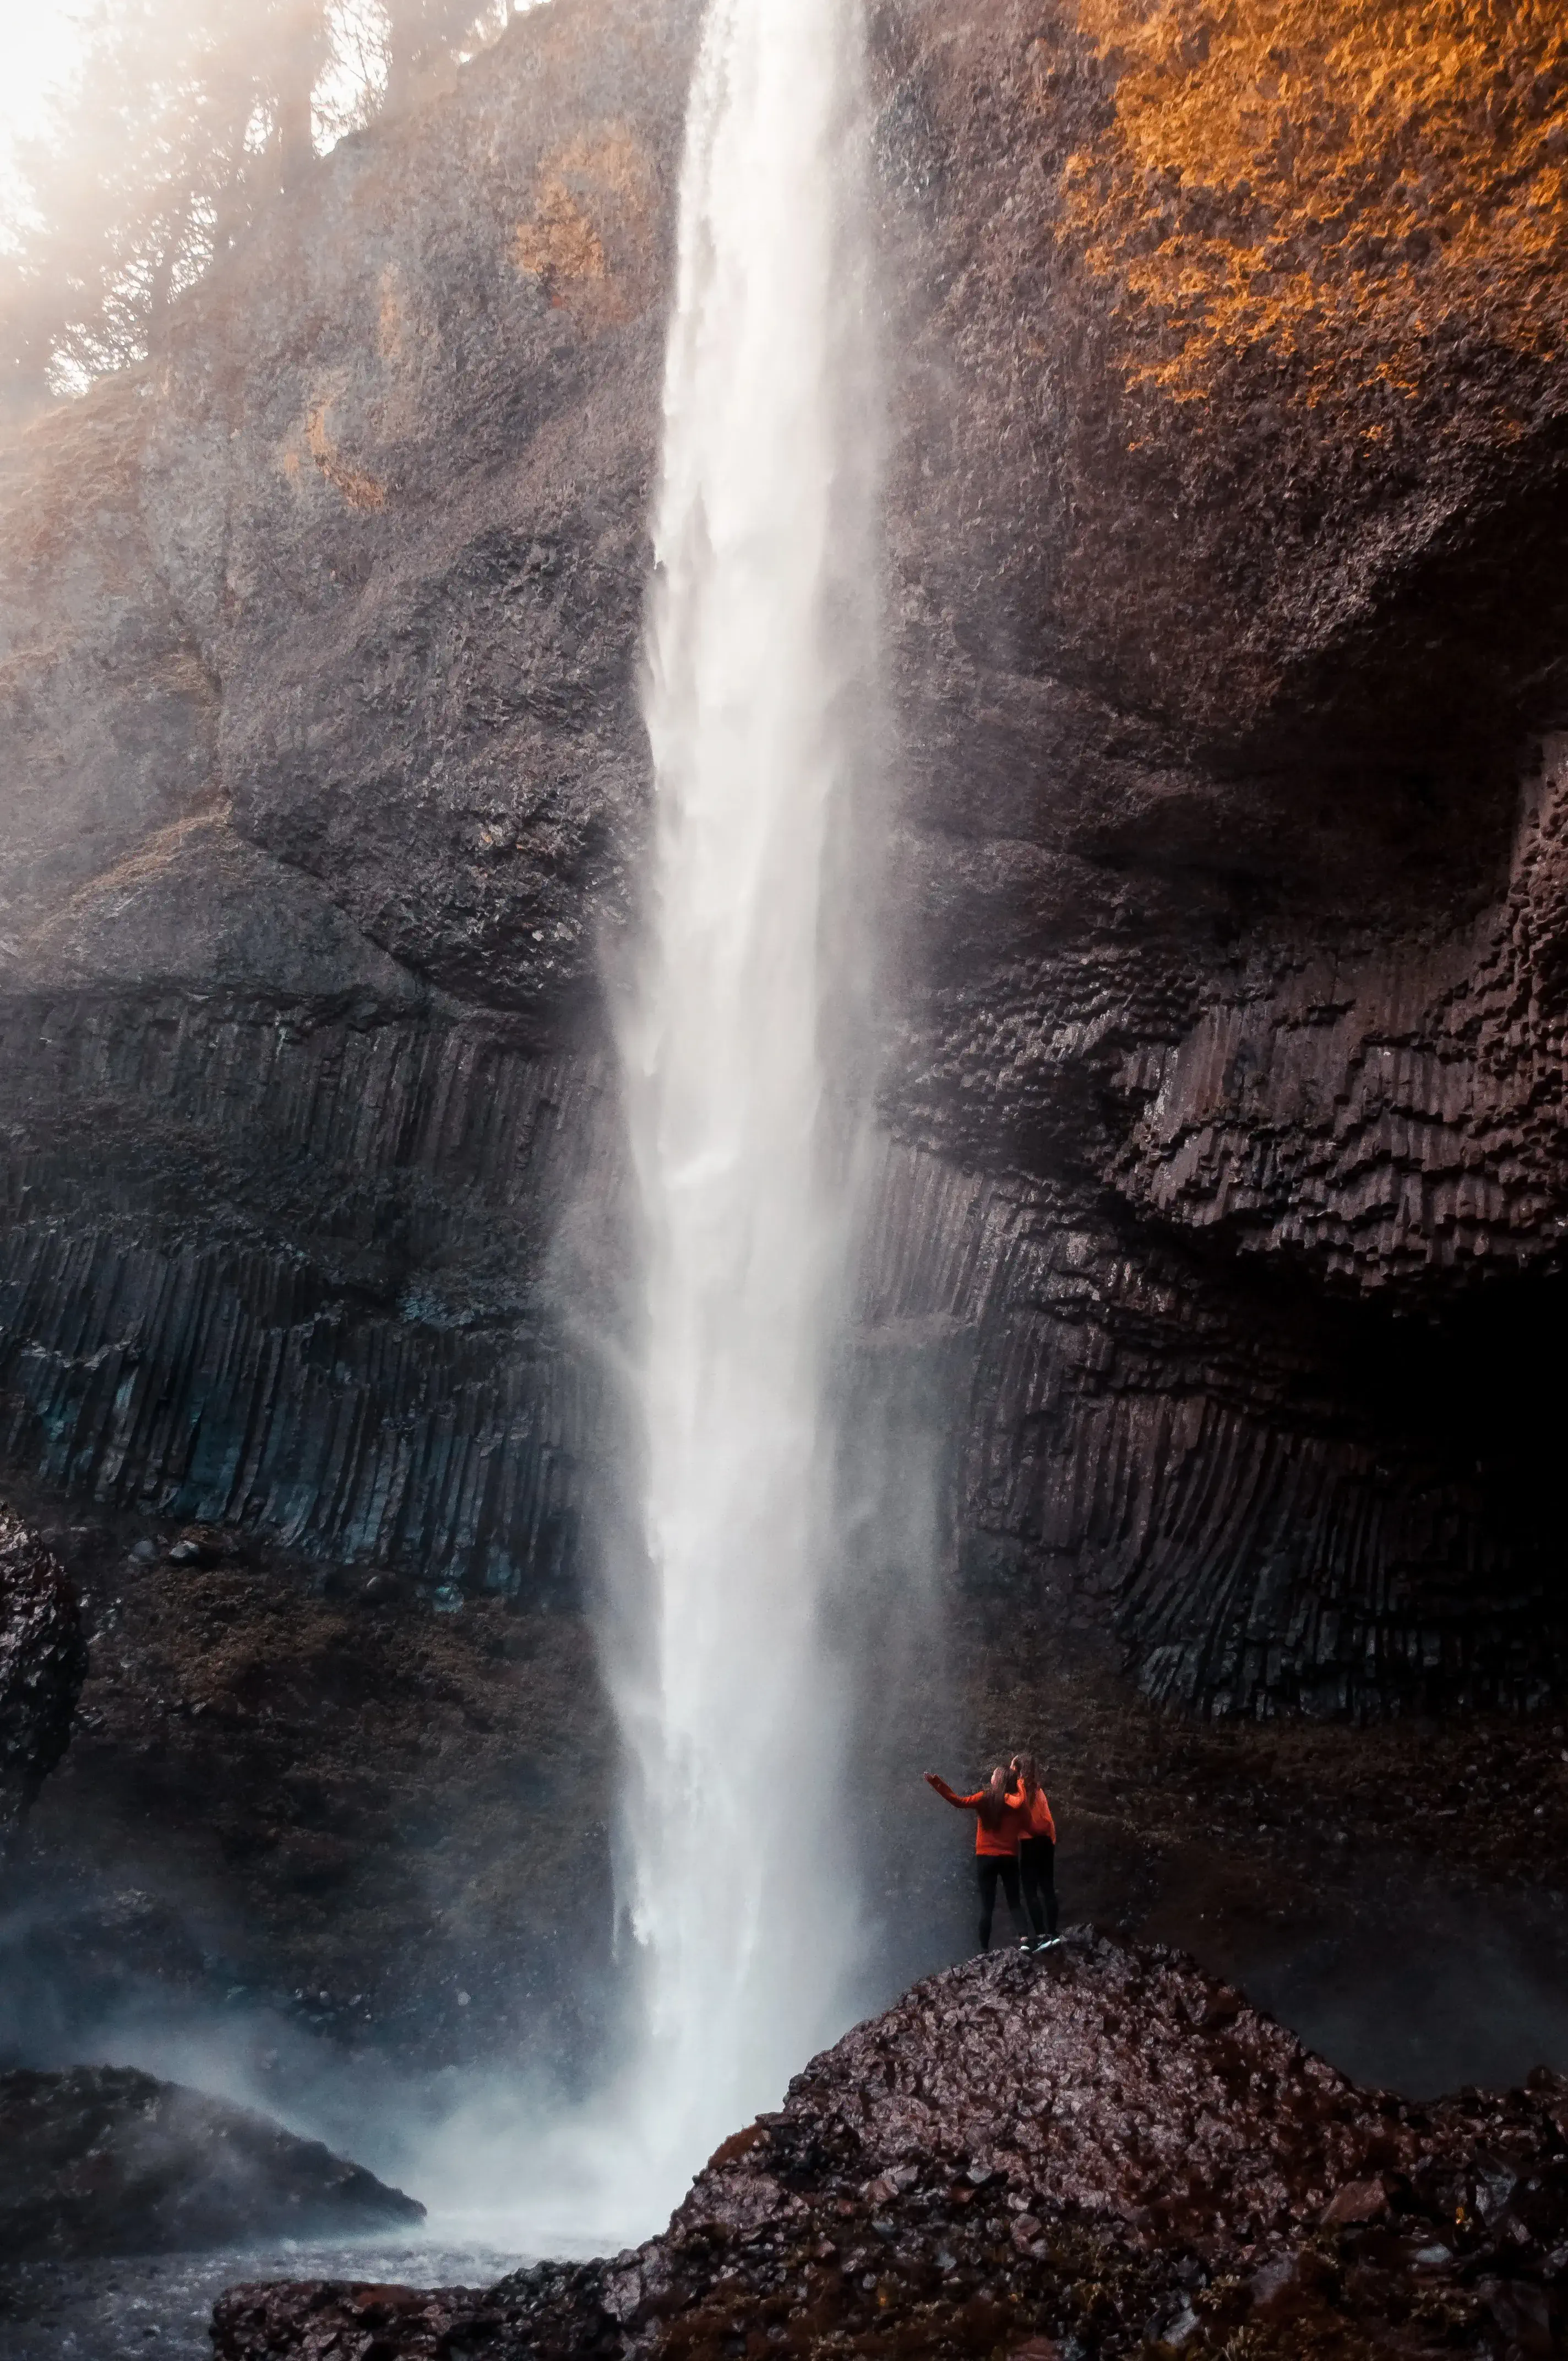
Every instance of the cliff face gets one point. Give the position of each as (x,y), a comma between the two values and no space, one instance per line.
(322,765)
(1223,1193)
(1229,654)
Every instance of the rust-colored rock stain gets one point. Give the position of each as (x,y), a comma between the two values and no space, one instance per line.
(587,240)
(358,488)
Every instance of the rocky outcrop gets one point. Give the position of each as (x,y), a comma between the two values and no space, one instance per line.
(105,2160)
(1221,1203)
(1097,2153)
(43,1663)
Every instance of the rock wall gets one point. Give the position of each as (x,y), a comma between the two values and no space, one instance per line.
(1221,1198)
(321,775)
(1229,652)
(43,1662)
(280,1263)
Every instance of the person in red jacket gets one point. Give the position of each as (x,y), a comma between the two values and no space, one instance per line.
(998,1824)
(1036,1847)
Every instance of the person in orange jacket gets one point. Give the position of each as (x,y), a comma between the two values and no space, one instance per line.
(998,1823)
(1036,1847)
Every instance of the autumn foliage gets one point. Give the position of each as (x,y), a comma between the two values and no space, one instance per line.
(1360,190)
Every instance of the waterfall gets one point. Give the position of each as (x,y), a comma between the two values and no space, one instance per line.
(758,694)
(743,1041)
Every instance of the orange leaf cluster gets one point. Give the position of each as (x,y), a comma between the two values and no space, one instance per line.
(1347,183)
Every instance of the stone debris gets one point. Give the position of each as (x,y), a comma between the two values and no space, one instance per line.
(1100,2154)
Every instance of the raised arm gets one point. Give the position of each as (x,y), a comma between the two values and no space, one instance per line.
(959,1803)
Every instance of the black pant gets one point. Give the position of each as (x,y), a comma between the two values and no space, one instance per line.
(990,1867)
(1037,1875)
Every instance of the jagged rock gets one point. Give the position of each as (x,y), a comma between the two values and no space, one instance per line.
(43,1663)
(1103,2149)
(105,2160)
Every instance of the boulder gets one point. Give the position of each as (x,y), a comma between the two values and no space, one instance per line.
(107,2160)
(1101,2151)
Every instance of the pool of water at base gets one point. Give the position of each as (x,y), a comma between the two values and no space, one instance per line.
(159,2305)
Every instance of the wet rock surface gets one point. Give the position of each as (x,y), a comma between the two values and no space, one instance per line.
(114,2309)
(105,2160)
(1223,1097)
(1100,2151)
(43,1663)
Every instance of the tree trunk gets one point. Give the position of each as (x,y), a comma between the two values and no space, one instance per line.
(407,39)
(422,31)
(301,48)
(158,297)
(296,140)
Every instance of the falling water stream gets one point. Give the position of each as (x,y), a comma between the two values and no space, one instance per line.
(741,1039)
(759,661)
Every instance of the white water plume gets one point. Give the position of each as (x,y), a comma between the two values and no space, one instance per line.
(758,704)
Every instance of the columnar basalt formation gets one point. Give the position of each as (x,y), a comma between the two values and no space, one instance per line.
(1222,1094)
(1230,652)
